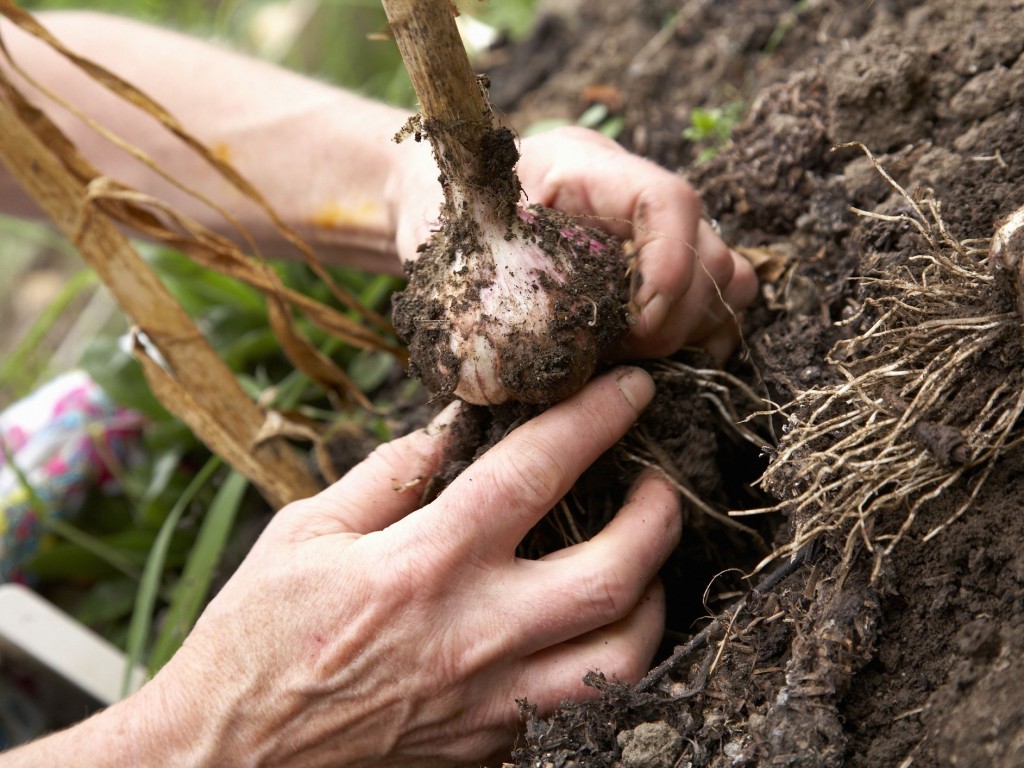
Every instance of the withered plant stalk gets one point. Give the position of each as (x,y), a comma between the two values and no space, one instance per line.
(222,414)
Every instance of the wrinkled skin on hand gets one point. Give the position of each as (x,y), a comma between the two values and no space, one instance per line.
(362,630)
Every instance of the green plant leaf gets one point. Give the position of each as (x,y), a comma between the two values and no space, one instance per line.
(593,116)
(21,368)
(612,127)
(152,574)
(548,124)
(82,556)
(189,594)
(107,602)
(369,369)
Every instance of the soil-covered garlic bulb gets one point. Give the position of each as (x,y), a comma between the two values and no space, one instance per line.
(504,303)
(512,304)
(1006,253)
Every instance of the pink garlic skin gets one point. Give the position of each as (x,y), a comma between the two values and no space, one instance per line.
(527,311)
(515,302)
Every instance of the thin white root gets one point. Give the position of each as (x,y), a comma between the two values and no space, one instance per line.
(910,416)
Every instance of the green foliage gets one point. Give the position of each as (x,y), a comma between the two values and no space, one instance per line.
(27,361)
(514,17)
(119,374)
(596,117)
(190,593)
(149,588)
(187,14)
(712,127)
(24,365)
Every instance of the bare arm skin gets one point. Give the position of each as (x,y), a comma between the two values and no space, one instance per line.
(322,156)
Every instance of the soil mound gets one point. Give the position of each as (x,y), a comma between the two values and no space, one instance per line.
(838,656)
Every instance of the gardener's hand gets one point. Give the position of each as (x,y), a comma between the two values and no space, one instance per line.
(692,284)
(360,630)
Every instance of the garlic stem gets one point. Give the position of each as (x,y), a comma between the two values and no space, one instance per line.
(454,114)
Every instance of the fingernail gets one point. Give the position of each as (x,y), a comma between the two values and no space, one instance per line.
(654,313)
(444,419)
(636,386)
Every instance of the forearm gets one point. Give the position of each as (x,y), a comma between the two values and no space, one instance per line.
(323,157)
(164,723)
(120,736)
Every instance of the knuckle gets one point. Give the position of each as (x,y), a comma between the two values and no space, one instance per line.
(727,265)
(403,458)
(718,259)
(387,454)
(608,598)
(533,476)
(686,195)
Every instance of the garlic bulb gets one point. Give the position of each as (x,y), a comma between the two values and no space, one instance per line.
(521,311)
(503,303)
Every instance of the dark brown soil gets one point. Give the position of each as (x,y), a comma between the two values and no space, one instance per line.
(825,666)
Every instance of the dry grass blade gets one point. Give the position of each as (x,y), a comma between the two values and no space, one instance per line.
(314,363)
(199,387)
(158,221)
(921,403)
(256,458)
(134,96)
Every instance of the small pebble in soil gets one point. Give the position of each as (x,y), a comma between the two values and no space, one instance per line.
(650,745)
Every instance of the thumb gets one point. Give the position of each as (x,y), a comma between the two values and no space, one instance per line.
(384,488)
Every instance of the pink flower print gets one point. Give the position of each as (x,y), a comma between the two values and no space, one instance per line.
(15,438)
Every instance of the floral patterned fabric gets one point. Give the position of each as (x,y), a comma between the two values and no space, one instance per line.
(65,438)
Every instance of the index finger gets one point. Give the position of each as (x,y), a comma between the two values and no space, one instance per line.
(587,174)
(491,506)
(628,196)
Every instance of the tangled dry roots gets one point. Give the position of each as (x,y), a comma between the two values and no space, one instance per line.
(929,390)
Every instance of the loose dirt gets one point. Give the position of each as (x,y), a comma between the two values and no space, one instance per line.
(918,663)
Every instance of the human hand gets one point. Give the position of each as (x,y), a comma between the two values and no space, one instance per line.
(691,283)
(362,630)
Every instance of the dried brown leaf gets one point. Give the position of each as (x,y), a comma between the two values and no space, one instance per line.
(768,261)
(199,248)
(314,363)
(198,387)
